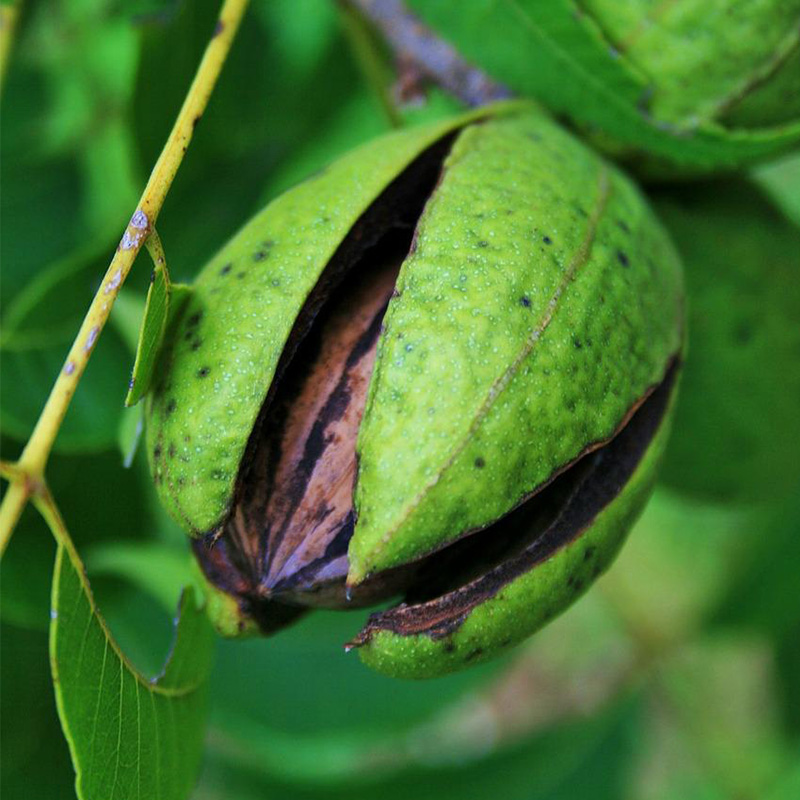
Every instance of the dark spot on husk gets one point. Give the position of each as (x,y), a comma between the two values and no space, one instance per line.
(589,552)
(171,450)
(577,343)
(197,344)
(449,647)
(580,210)
(623,258)
(483,243)
(525,301)
(623,226)
(194,319)
(171,406)
(218,28)
(480,463)
(473,654)
(575,583)
(547,240)
(226,269)
(203,372)
(157,452)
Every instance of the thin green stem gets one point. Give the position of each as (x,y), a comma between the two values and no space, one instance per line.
(13,505)
(370,59)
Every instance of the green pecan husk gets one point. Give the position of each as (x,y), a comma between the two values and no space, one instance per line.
(441,370)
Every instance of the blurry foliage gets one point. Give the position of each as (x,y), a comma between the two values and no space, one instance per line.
(676,677)
(744,340)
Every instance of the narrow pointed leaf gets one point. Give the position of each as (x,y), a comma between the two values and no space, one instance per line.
(162,296)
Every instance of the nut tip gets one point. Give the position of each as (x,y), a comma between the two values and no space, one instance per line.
(356,575)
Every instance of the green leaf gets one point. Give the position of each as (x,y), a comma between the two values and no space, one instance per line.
(129,434)
(555,53)
(151,335)
(130,738)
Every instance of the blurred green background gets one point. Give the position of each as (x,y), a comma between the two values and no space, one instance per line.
(677,676)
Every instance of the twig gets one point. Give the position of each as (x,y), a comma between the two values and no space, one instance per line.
(436,59)
(30,468)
